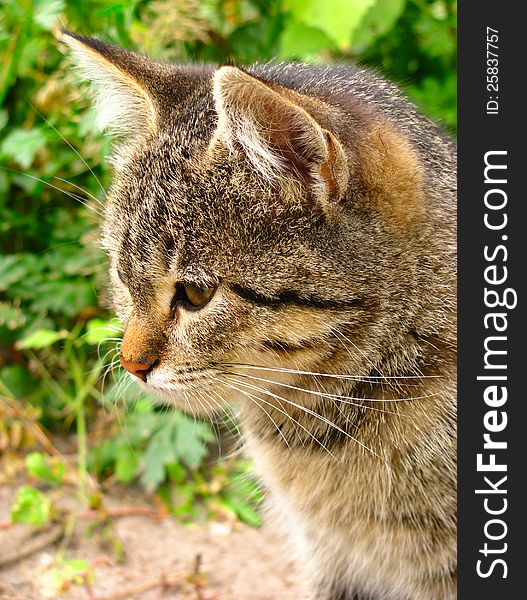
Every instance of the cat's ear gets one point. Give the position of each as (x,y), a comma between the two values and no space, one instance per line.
(280,138)
(125,105)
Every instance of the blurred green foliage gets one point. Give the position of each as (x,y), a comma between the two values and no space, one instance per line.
(55,334)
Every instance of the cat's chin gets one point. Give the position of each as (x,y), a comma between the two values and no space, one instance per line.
(195,400)
(188,404)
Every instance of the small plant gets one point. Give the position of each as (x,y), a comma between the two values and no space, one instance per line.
(31,507)
(167,453)
(46,469)
(62,574)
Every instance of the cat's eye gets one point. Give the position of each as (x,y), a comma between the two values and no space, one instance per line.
(192,296)
(198,295)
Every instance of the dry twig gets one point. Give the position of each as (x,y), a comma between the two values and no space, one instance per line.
(50,537)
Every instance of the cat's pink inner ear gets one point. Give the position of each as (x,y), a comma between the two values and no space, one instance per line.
(279,136)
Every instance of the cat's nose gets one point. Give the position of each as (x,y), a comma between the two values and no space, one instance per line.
(139,369)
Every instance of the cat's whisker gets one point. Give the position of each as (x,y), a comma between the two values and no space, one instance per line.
(108,369)
(344,339)
(119,381)
(366,358)
(240,444)
(118,340)
(115,349)
(217,420)
(70,194)
(233,420)
(314,414)
(257,399)
(349,401)
(125,384)
(224,412)
(104,365)
(310,412)
(202,401)
(115,328)
(318,384)
(189,405)
(222,415)
(365,378)
(81,189)
(114,364)
(48,122)
(345,399)
(113,353)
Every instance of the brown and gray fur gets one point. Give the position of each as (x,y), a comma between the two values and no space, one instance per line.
(320,207)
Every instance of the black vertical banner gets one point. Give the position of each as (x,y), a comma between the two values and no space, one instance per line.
(492,241)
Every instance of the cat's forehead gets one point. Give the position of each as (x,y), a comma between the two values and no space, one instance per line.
(168,212)
(172,180)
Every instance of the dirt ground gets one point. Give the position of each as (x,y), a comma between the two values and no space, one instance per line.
(236,562)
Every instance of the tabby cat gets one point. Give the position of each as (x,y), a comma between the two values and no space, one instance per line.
(282,239)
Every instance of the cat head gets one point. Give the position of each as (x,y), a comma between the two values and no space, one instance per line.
(253,229)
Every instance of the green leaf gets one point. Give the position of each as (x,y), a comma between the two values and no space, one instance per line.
(183,501)
(190,437)
(437,98)
(336,18)
(245,511)
(243,495)
(76,568)
(378,20)
(67,296)
(30,56)
(303,42)
(17,379)
(159,452)
(436,36)
(4,186)
(114,8)
(11,316)
(99,330)
(102,456)
(126,464)
(30,507)
(15,268)
(41,338)
(41,467)
(4,118)
(142,423)
(72,260)
(46,12)
(62,574)
(256,40)
(22,145)
(176,472)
